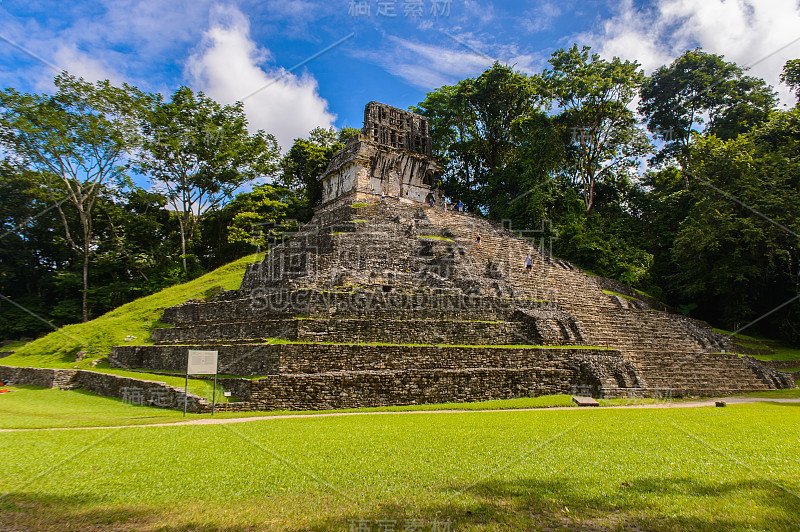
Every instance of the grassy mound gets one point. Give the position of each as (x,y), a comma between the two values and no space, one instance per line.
(130,324)
(769,349)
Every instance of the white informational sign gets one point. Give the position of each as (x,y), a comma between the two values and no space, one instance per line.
(202,362)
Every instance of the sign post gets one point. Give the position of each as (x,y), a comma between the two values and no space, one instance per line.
(201,363)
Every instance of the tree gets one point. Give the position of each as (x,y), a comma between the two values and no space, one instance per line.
(593,96)
(307,159)
(253,221)
(477,128)
(736,253)
(791,76)
(201,153)
(137,246)
(260,216)
(77,140)
(696,88)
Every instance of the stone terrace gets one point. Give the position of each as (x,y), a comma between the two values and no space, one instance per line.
(394,303)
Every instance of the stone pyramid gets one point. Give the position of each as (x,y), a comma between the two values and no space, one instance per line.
(386,298)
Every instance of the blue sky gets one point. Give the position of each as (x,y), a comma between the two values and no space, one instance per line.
(230,49)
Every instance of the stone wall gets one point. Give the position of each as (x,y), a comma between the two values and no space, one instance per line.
(378,302)
(322,376)
(274,359)
(366,389)
(409,331)
(431,379)
(236,359)
(781,364)
(135,391)
(42,377)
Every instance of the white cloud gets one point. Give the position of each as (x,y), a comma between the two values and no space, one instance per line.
(131,40)
(748,32)
(428,66)
(79,63)
(541,17)
(227,66)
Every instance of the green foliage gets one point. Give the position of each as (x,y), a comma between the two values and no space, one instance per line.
(676,98)
(201,152)
(571,176)
(770,348)
(553,153)
(76,141)
(307,160)
(255,221)
(129,324)
(594,243)
(478,127)
(593,96)
(736,251)
(134,254)
(791,76)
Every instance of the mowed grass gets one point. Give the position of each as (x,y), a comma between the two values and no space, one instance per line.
(777,394)
(733,468)
(29,407)
(129,324)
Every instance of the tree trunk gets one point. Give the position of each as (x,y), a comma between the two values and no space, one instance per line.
(183,251)
(85,251)
(590,196)
(85,297)
(683,162)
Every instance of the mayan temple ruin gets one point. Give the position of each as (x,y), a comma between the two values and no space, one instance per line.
(384,299)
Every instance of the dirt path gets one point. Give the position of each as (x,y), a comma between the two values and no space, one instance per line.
(219,421)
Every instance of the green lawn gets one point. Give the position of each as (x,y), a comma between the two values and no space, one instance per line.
(32,407)
(732,468)
(28,407)
(777,394)
(130,324)
(436,237)
(623,296)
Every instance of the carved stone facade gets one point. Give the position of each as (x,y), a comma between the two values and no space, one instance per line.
(398,129)
(391,157)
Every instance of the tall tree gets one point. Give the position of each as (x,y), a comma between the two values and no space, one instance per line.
(476,127)
(594,96)
(201,153)
(736,253)
(76,139)
(701,88)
